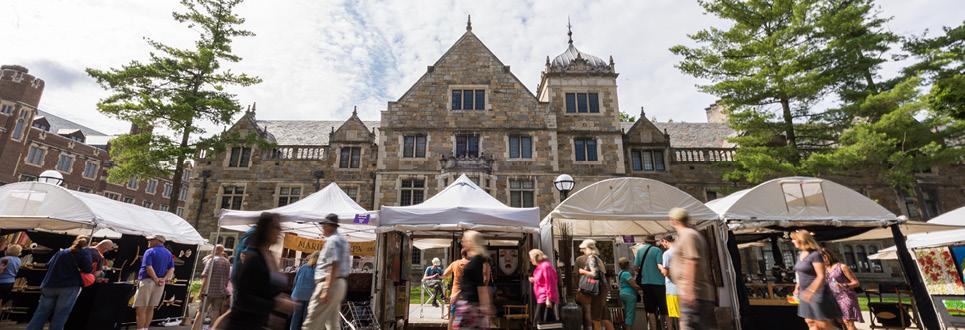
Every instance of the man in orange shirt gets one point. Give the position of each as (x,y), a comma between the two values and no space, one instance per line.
(455,268)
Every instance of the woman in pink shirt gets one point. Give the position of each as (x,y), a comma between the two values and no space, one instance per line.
(545,286)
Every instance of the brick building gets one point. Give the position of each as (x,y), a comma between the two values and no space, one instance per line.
(33,141)
(469,113)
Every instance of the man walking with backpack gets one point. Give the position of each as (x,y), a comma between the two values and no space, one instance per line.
(651,281)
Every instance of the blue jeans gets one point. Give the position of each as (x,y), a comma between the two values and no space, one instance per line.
(298,316)
(56,301)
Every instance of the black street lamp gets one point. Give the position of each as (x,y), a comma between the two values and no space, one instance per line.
(564,183)
(51,177)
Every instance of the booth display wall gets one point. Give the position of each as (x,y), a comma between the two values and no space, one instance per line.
(106,305)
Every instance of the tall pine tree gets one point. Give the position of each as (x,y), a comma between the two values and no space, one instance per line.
(173,93)
(776,61)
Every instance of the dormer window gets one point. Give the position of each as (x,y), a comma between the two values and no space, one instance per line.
(647,160)
(468,99)
(240,157)
(41,125)
(582,103)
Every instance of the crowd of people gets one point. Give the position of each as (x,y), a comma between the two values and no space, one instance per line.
(670,276)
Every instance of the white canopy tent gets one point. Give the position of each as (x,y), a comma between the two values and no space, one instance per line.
(812,202)
(624,206)
(800,201)
(460,206)
(38,205)
(922,240)
(302,217)
(312,208)
(635,206)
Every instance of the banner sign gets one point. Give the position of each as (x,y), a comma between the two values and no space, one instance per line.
(362,219)
(628,239)
(298,243)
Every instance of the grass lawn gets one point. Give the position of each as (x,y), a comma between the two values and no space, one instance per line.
(863,301)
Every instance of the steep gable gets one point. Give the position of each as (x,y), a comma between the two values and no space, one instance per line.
(467,62)
(353,130)
(645,132)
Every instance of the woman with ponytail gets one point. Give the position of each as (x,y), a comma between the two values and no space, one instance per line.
(61,285)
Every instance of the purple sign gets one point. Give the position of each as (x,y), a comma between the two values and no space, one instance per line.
(362,219)
(628,239)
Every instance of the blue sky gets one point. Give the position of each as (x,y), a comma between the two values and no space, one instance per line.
(320,58)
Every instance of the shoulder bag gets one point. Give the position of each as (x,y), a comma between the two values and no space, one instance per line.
(590,285)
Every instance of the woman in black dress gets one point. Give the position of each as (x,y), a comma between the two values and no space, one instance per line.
(474,306)
(259,284)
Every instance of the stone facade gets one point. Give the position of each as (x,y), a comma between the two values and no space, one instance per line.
(309,154)
(33,141)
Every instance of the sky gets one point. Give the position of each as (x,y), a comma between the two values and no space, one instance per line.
(320,58)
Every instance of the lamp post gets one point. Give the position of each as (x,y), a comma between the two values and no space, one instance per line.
(564,183)
(51,177)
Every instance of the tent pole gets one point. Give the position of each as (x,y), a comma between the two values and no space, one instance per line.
(207,289)
(926,311)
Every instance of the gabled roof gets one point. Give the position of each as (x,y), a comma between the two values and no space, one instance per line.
(466,37)
(693,135)
(305,132)
(58,123)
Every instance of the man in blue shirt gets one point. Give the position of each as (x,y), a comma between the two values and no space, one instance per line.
(651,281)
(157,267)
(334,265)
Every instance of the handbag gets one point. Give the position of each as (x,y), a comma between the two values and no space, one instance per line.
(87,279)
(590,285)
(558,324)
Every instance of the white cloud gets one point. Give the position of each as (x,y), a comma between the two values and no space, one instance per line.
(320,58)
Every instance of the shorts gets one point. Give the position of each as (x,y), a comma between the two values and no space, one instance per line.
(6,291)
(673,306)
(654,299)
(148,294)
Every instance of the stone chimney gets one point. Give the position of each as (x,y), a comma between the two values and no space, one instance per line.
(716,114)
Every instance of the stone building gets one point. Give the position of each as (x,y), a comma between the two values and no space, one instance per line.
(469,113)
(32,141)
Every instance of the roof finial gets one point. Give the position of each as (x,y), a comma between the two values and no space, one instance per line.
(643,113)
(355,110)
(569,30)
(469,23)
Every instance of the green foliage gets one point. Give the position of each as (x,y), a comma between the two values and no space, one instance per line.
(627,118)
(906,139)
(942,61)
(774,62)
(175,92)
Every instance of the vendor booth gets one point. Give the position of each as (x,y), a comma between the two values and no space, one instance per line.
(303,235)
(617,212)
(45,218)
(461,206)
(767,212)
(940,257)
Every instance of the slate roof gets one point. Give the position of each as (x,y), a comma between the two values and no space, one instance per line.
(305,132)
(59,123)
(694,135)
(315,132)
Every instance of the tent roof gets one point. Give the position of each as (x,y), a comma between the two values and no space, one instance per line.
(312,208)
(954,217)
(461,205)
(801,201)
(37,205)
(626,206)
